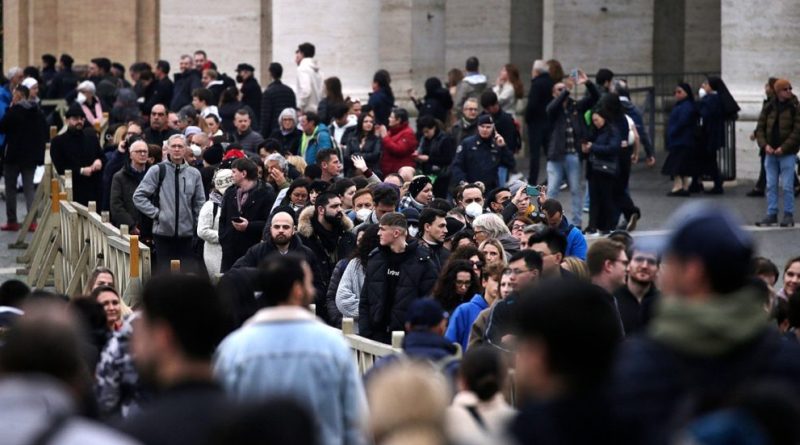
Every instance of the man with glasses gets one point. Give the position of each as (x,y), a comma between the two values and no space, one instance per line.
(525,268)
(159,130)
(468,124)
(637,297)
(124,184)
(608,265)
(778,134)
(171,194)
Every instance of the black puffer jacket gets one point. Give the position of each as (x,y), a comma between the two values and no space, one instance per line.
(326,261)
(255,210)
(378,316)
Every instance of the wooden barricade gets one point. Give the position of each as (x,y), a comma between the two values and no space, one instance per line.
(89,241)
(365,351)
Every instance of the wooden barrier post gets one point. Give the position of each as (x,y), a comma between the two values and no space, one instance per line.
(397,339)
(348,326)
(105,216)
(133,291)
(124,230)
(54,192)
(53,131)
(175,266)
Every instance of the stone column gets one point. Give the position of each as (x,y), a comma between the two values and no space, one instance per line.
(229,32)
(756,45)
(412,43)
(121,30)
(345,35)
(592,34)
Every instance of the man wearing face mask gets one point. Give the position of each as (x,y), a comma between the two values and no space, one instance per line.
(471,200)
(325,230)
(250,89)
(479,157)
(399,272)
(80,152)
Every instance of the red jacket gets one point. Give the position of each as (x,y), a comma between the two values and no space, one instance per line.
(398,146)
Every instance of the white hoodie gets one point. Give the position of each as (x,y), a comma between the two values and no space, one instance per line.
(309,85)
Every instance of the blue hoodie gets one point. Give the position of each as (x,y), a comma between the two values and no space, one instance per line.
(320,140)
(576,243)
(461,321)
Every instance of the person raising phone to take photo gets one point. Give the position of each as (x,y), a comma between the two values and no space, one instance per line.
(479,157)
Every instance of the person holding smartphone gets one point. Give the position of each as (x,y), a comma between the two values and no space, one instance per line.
(479,157)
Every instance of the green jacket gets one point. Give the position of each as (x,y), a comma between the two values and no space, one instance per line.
(789,126)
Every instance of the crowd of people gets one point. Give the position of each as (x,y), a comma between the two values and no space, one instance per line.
(281,201)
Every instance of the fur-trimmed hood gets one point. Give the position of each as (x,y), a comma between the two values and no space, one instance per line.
(305,228)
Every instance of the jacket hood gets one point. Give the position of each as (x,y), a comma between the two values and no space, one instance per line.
(475,79)
(309,63)
(27,404)
(305,228)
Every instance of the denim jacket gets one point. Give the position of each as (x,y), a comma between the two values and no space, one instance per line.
(286,351)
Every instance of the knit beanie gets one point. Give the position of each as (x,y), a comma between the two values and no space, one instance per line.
(417,184)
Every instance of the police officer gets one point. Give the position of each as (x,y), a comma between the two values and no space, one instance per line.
(479,157)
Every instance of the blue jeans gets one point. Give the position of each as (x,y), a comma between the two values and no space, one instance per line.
(571,166)
(780,168)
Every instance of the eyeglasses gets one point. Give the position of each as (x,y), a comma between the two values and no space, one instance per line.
(139,152)
(460,283)
(641,259)
(471,200)
(516,227)
(624,262)
(518,271)
(477,263)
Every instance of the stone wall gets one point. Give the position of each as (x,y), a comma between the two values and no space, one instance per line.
(592,34)
(121,30)
(215,27)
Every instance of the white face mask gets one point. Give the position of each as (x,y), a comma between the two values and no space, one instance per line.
(363,214)
(701,93)
(473,209)
(413,231)
(81,98)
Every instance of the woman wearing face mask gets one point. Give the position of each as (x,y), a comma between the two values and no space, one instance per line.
(457,284)
(208,222)
(297,195)
(91,106)
(420,194)
(412,217)
(365,143)
(602,169)
(348,292)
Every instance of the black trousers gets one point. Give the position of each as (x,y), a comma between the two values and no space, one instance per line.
(537,140)
(602,208)
(170,248)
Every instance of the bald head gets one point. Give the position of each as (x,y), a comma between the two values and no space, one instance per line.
(407,173)
(281,229)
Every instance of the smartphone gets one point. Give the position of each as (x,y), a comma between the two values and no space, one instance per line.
(238,219)
(574,73)
(532,191)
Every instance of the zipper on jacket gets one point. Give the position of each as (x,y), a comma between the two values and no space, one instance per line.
(177,198)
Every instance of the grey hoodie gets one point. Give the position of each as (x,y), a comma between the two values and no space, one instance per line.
(28,405)
(180,199)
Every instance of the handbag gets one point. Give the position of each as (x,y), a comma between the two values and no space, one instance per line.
(605,166)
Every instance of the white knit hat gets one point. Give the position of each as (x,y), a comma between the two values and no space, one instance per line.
(223,179)
(29,82)
(86,85)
